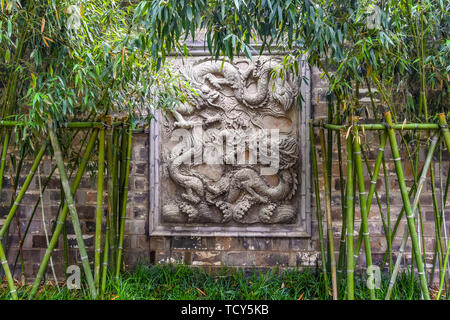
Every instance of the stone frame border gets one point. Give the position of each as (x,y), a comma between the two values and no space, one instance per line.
(302,229)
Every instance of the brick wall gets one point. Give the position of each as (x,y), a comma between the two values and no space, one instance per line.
(210,252)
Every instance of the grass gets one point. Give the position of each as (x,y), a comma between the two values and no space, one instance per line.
(179,282)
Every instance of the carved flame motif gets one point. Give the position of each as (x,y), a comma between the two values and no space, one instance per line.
(232,100)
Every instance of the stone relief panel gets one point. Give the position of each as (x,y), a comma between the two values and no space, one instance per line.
(231,160)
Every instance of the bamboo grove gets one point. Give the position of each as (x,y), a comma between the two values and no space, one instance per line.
(67,69)
(112,141)
(357,158)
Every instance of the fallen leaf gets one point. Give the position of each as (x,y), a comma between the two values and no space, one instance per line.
(301,296)
(123,53)
(201,292)
(42,25)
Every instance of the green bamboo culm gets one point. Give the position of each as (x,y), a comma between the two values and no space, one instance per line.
(110,186)
(105,258)
(30,220)
(444,130)
(8,275)
(23,190)
(318,207)
(328,215)
(406,203)
(3,159)
(99,211)
(123,208)
(63,215)
(113,238)
(349,219)
(13,210)
(72,210)
(420,185)
(363,204)
(446,135)
(372,188)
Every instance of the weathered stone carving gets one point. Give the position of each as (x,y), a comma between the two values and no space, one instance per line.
(223,164)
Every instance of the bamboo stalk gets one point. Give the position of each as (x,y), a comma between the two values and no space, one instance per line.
(14,182)
(99,211)
(349,218)
(70,125)
(110,186)
(386,225)
(318,208)
(372,188)
(420,184)
(407,204)
(342,189)
(115,181)
(72,210)
(23,190)
(63,215)
(442,219)
(381,127)
(105,257)
(44,225)
(446,135)
(342,241)
(9,278)
(3,159)
(438,247)
(363,203)
(44,186)
(123,210)
(444,129)
(328,215)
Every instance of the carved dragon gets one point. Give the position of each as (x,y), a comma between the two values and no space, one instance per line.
(208,79)
(240,188)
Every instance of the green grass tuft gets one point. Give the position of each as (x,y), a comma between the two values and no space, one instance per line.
(180,282)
